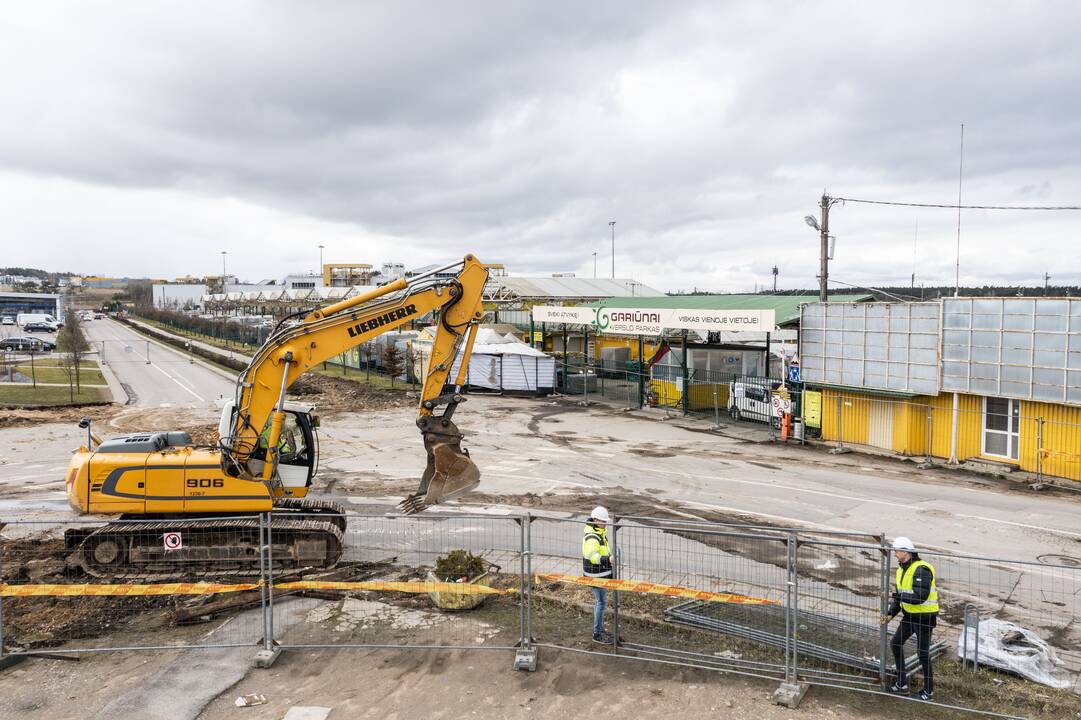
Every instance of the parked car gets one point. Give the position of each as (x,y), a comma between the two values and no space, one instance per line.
(99,316)
(749,399)
(26,344)
(7,320)
(38,327)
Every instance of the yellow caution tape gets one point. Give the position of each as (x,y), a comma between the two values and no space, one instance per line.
(657,589)
(420,587)
(389,586)
(88,589)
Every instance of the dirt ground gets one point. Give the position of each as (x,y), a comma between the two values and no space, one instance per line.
(337,395)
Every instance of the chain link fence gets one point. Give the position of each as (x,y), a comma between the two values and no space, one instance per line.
(789,605)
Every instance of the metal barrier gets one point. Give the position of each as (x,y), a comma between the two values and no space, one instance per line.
(384,586)
(792,605)
(81,603)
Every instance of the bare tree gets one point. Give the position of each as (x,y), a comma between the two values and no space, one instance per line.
(366,353)
(392,361)
(72,346)
(411,363)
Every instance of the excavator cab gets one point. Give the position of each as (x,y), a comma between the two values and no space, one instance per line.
(298,445)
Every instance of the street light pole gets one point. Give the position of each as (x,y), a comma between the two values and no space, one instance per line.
(612,224)
(824,251)
(320,259)
(223,254)
(594,266)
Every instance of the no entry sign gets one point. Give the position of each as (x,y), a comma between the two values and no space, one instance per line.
(172,541)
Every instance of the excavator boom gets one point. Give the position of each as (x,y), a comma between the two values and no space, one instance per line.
(329,331)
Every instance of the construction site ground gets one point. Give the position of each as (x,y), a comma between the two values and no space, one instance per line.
(549,455)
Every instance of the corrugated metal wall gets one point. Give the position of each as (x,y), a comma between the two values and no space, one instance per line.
(1059,456)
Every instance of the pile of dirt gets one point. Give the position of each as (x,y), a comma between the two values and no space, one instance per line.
(335,395)
(34,622)
(14,417)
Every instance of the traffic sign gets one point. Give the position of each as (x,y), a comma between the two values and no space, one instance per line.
(172,541)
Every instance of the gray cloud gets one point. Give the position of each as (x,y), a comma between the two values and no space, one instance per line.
(517,130)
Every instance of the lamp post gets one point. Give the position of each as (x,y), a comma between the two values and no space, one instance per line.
(320,259)
(612,224)
(824,251)
(594,266)
(223,254)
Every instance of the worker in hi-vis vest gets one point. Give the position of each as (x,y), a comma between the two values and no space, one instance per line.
(597,562)
(916,598)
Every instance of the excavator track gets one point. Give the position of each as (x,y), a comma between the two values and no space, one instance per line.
(304,536)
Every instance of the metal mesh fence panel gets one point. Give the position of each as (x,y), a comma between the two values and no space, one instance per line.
(93,585)
(1041,598)
(731,610)
(839,590)
(404,581)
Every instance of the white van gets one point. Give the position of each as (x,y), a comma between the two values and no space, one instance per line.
(749,399)
(23,318)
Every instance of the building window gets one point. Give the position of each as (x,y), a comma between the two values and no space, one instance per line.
(1001,427)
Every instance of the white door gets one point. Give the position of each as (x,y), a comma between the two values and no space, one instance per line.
(880,425)
(1001,427)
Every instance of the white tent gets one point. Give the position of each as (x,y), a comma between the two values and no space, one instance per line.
(499,362)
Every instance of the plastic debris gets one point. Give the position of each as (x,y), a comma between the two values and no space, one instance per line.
(1007,646)
(249,700)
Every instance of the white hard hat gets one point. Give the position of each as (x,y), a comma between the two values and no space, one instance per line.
(600,513)
(903,543)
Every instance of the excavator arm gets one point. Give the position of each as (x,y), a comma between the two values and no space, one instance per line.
(294,349)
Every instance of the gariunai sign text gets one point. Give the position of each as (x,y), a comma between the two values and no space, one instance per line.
(650,321)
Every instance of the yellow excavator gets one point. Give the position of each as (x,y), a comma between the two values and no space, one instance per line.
(186,507)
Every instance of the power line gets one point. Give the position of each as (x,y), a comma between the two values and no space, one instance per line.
(963,207)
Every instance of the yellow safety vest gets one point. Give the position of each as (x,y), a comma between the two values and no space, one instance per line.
(904,583)
(596,555)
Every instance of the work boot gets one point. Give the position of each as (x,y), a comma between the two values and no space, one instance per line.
(603,638)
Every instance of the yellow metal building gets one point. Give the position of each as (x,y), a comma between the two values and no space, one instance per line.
(1048,436)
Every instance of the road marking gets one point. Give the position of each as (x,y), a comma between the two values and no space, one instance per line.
(840,496)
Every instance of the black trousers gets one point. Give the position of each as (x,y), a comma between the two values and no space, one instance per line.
(921,627)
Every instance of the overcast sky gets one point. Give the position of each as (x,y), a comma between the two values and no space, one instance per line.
(143,138)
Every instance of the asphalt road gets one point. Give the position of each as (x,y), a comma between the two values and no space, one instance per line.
(153,374)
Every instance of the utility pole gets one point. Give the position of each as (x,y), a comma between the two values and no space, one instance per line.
(612,224)
(775,271)
(824,251)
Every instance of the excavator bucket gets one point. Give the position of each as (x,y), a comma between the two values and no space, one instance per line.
(449,473)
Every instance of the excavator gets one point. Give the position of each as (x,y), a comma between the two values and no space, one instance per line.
(187,509)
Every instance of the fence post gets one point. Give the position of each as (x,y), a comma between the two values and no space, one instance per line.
(840,427)
(716,409)
(641,374)
(147,352)
(930,434)
(884,607)
(270,652)
(1,609)
(685,397)
(791,691)
(525,656)
(615,593)
(1039,452)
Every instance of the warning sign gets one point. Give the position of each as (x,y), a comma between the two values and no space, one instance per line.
(172,541)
